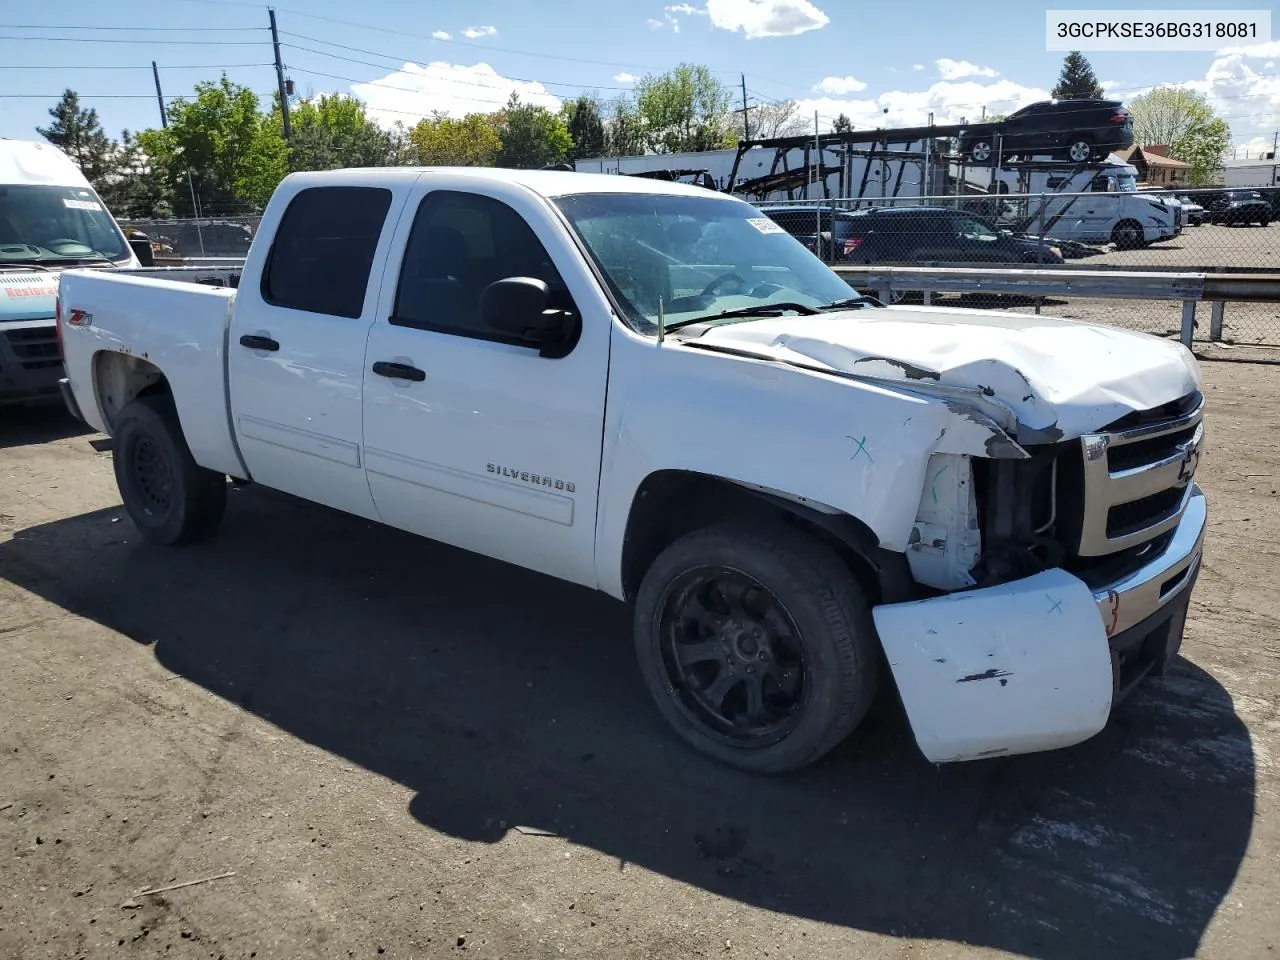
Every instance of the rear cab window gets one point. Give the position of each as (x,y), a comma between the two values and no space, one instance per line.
(323,250)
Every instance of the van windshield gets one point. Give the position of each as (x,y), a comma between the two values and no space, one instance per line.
(679,256)
(57,225)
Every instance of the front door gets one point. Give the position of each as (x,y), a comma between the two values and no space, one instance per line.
(473,438)
(296,351)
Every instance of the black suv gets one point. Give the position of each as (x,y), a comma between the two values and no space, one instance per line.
(908,235)
(1075,130)
(1240,206)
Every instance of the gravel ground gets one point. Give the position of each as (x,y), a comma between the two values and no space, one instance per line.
(398,749)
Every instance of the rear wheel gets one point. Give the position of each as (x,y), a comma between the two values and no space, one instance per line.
(170,498)
(981,151)
(756,644)
(1079,151)
(1127,235)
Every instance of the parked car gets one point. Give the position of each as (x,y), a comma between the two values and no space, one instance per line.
(1075,130)
(1194,213)
(1240,206)
(910,235)
(651,390)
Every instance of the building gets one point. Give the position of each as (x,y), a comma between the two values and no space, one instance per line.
(1155,167)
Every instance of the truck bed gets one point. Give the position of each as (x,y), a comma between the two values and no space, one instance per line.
(179,321)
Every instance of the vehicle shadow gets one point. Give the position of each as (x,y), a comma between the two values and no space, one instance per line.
(504,698)
(23,425)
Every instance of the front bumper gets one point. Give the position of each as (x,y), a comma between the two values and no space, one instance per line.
(69,398)
(1038,663)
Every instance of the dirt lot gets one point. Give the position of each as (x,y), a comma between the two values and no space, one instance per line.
(358,725)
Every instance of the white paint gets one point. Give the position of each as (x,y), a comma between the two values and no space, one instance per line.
(1039,648)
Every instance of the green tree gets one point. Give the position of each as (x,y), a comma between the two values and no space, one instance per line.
(332,132)
(235,154)
(582,119)
(685,109)
(441,140)
(1185,122)
(531,136)
(842,124)
(1077,80)
(624,133)
(134,189)
(76,131)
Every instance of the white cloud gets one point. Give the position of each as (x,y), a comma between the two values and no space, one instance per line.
(625,77)
(950,69)
(766,18)
(917,66)
(657,24)
(442,35)
(474,33)
(687,9)
(414,92)
(950,102)
(840,85)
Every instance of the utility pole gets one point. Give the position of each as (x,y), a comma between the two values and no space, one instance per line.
(746,127)
(191,185)
(284,96)
(155,73)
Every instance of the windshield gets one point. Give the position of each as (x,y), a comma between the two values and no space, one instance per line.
(686,257)
(47,224)
(1126,183)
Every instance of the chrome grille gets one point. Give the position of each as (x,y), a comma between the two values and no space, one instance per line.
(1137,479)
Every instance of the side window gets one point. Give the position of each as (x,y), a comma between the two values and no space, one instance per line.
(459,244)
(323,250)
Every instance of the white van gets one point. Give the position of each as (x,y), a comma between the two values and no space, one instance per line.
(1097,204)
(50,219)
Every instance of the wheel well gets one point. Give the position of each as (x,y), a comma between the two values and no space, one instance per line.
(121,377)
(671,503)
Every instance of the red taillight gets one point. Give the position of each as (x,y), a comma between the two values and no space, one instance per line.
(1119,117)
(852,243)
(57,322)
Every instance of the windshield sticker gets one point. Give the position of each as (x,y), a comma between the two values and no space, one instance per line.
(81,204)
(765,225)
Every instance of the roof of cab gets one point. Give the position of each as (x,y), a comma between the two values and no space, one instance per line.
(548,183)
(33,162)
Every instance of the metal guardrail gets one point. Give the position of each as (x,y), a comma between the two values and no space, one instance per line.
(1191,288)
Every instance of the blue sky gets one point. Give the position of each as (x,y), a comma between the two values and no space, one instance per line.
(910,57)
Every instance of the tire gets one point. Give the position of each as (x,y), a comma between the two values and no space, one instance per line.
(799,622)
(1127,235)
(1079,151)
(980,151)
(1264,222)
(171,499)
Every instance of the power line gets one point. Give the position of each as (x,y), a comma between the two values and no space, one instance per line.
(64,26)
(187,43)
(387,56)
(129,66)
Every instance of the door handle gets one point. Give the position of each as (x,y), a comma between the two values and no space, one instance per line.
(254,342)
(398,371)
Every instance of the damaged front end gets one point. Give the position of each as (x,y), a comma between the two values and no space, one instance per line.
(1059,573)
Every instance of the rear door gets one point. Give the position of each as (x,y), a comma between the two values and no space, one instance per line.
(295,356)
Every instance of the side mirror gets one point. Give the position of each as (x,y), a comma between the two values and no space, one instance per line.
(521,307)
(142,250)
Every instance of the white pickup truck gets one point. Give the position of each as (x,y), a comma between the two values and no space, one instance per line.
(654,391)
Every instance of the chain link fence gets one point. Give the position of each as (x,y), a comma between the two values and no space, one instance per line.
(1197,231)
(228,236)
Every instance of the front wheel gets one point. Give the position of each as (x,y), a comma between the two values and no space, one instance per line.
(170,498)
(1127,235)
(1079,151)
(756,644)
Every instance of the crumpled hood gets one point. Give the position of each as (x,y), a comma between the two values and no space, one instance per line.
(1059,378)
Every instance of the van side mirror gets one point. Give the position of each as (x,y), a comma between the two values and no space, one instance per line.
(521,307)
(141,247)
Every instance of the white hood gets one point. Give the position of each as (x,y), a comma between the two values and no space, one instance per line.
(1060,378)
